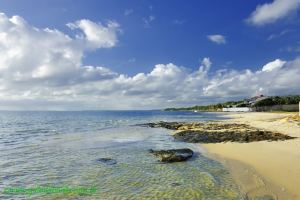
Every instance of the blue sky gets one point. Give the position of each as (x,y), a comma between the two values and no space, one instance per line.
(177,34)
(234,35)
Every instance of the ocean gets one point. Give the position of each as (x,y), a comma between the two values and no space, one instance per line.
(62,149)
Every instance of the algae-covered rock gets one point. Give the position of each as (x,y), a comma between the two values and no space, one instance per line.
(214,132)
(200,136)
(162,124)
(173,155)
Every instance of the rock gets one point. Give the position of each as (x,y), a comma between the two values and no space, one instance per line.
(175,184)
(161,124)
(201,136)
(215,132)
(107,161)
(173,155)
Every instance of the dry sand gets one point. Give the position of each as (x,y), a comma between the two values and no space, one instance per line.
(264,167)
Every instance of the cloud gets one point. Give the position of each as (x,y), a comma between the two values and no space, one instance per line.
(30,55)
(131,60)
(272,79)
(128,12)
(278,35)
(206,64)
(148,20)
(276,64)
(41,69)
(178,21)
(291,48)
(172,85)
(271,12)
(95,34)
(219,39)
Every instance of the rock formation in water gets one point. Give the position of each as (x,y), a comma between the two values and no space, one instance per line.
(107,161)
(173,155)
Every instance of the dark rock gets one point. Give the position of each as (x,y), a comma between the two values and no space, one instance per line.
(173,155)
(161,124)
(200,136)
(214,132)
(175,184)
(107,161)
(151,151)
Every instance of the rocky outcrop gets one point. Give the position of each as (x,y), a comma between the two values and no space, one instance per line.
(215,132)
(173,155)
(161,124)
(200,136)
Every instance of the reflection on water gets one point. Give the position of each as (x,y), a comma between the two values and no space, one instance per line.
(62,148)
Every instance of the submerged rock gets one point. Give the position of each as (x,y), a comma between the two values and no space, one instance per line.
(162,124)
(173,155)
(107,161)
(175,184)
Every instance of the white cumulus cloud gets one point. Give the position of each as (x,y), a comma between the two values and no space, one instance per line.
(47,56)
(273,11)
(276,64)
(42,69)
(95,34)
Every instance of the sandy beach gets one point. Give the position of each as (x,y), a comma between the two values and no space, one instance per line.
(264,168)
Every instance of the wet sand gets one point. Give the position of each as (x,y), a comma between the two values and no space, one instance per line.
(262,168)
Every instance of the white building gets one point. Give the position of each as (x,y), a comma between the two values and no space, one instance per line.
(237,109)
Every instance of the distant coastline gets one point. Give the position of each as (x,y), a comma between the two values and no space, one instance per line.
(257,103)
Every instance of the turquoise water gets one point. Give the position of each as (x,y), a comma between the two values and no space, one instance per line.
(60,149)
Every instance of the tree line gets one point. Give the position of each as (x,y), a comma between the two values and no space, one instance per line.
(269,101)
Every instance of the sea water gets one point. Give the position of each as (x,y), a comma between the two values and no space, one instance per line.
(62,149)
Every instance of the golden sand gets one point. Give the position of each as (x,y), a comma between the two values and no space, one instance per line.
(264,167)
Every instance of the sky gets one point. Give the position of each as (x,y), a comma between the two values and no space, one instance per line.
(145,54)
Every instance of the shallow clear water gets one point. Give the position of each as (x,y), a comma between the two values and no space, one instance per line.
(61,149)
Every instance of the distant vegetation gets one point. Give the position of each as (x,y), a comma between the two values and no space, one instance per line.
(269,101)
(278,100)
(212,107)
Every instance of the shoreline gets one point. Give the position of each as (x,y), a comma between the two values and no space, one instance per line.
(261,150)
(251,183)
(262,168)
